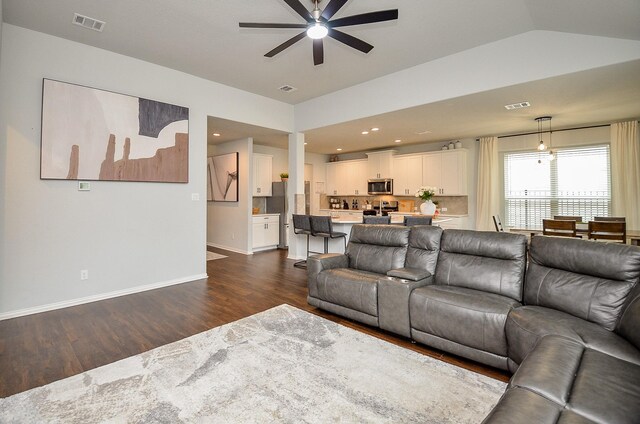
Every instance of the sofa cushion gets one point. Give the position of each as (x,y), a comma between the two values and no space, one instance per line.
(466,316)
(424,246)
(487,261)
(350,288)
(589,383)
(630,318)
(377,248)
(528,324)
(606,389)
(522,406)
(580,278)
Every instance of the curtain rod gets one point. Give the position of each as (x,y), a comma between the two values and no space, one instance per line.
(565,129)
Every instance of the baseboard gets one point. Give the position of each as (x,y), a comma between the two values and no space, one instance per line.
(231,249)
(97,297)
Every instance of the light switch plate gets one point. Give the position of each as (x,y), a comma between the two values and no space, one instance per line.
(195,196)
(84,186)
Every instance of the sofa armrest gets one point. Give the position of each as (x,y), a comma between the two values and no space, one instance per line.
(393,302)
(318,263)
(412,274)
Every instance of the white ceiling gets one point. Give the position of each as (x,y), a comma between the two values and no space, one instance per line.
(202,38)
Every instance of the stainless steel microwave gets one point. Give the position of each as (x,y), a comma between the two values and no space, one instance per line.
(380,186)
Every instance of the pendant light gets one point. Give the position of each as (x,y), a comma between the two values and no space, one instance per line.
(541,146)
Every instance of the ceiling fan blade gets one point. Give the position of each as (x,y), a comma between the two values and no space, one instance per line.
(350,40)
(332,8)
(366,18)
(318,52)
(286,44)
(259,25)
(300,10)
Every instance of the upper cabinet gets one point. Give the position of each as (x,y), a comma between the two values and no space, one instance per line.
(334,170)
(407,175)
(380,165)
(262,175)
(348,178)
(446,170)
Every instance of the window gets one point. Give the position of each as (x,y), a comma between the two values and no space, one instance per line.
(576,183)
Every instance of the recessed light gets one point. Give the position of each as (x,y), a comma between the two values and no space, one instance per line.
(365,132)
(216,134)
(397,141)
(339,149)
(375,129)
(305,144)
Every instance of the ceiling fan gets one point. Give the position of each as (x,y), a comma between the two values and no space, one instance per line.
(320,25)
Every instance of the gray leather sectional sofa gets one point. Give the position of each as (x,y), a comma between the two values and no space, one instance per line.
(566,320)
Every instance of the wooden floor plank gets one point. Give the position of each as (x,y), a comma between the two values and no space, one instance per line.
(41,348)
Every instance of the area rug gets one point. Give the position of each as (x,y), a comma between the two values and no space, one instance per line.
(282,365)
(213,256)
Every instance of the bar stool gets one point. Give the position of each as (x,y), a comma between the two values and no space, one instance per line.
(321,226)
(417,220)
(377,219)
(302,225)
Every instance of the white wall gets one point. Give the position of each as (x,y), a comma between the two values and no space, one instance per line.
(229,223)
(129,236)
(503,63)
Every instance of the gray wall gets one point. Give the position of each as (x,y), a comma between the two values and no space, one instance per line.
(130,236)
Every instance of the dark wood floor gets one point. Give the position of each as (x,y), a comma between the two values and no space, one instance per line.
(42,348)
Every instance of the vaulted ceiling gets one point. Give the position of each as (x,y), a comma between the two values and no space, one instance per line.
(202,38)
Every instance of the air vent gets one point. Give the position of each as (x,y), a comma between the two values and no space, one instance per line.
(287,88)
(517,105)
(87,22)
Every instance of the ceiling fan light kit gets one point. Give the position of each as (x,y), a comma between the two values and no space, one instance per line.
(319,25)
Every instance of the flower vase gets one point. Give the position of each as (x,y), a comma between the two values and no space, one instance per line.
(428,208)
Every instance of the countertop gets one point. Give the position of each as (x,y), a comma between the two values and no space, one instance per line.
(266,214)
(448,215)
(394,220)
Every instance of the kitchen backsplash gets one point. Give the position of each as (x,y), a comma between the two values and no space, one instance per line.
(456,205)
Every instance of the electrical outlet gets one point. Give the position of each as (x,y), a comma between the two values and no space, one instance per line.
(84,274)
(443,209)
(195,196)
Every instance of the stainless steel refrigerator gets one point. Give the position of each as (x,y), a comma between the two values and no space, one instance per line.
(277,203)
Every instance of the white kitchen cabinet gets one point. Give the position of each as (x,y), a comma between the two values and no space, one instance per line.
(347,178)
(262,175)
(407,175)
(454,222)
(335,176)
(266,231)
(446,170)
(355,177)
(380,165)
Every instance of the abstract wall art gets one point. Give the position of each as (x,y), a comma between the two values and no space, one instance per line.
(92,134)
(222,178)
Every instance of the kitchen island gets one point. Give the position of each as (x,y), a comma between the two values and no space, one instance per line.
(344,224)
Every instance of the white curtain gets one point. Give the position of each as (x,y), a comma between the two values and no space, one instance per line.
(488,196)
(625,172)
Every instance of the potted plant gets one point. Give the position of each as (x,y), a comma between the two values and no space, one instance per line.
(284,176)
(426,193)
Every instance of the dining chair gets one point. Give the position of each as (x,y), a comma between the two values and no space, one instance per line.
(377,219)
(321,226)
(559,227)
(610,218)
(611,231)
(417,220)
(567,218)
(302,225)
(497,223)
